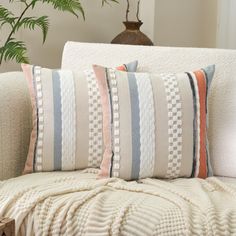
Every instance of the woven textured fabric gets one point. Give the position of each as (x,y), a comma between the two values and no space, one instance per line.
(67,119)
(222,98)
(77,203)
(156,124)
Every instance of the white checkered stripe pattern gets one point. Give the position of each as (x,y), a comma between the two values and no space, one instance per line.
(116,124)
(40,126)
(174,125)
(95,121)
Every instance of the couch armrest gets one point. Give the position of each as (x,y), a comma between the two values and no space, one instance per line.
(15,124)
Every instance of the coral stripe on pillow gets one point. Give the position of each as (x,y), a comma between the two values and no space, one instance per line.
(67,119)
(156,124)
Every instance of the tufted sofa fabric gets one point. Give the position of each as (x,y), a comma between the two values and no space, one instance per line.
(15,124)
(15,107)
(222,100)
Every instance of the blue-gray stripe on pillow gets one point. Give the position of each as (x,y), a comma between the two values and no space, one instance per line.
(57,120)
(135,116)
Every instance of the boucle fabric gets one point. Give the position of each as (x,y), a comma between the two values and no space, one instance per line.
(75,203)
(15,124)
(67,119)
(222,99)
(155,125)
(15,129)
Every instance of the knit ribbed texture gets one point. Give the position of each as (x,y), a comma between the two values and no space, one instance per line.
(75,203)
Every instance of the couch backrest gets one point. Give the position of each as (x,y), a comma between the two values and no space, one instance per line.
(222,100)
(15,124)
(15,107)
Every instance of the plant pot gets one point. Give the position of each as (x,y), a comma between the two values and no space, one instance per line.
(132,35)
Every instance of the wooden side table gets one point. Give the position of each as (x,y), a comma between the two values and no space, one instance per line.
(7,227)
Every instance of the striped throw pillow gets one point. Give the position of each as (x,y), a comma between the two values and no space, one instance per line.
(156,124)
(67,119)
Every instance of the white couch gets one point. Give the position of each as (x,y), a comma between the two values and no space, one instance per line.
(222,104)
(15,110)
(15,128)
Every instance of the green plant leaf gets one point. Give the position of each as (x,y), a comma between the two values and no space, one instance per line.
(14,50)
(72,6)
(107,1)
(6,17)
(32,22)
(34,3)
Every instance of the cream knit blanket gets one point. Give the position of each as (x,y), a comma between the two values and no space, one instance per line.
(76,203)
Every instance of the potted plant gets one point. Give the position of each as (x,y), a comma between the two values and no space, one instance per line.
(14,49)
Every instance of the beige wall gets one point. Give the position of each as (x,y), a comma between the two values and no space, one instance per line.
(167,22)
(186,23)
(101,25)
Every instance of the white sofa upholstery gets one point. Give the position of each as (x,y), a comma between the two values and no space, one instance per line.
(77,203)
(15,110)
(15,124)
(222,101)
